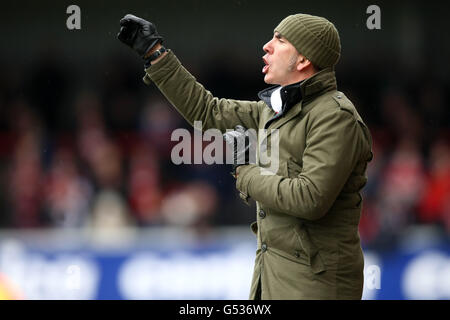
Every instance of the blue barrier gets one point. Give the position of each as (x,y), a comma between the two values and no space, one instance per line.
(219,269)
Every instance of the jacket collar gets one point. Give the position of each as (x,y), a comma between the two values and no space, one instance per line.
(321,82)
(289,95)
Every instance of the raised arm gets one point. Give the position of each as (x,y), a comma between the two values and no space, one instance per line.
(183,91)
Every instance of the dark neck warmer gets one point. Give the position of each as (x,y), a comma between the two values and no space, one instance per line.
(290,95)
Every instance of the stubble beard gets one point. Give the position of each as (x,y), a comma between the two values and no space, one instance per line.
(292,62)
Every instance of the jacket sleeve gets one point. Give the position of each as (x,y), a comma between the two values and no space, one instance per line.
(196,103)
(333,147)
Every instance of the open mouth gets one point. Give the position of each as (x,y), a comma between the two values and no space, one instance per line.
(266,66)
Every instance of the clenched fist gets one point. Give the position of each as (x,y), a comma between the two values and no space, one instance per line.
(141,35)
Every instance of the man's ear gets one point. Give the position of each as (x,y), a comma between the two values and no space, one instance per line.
(303,63)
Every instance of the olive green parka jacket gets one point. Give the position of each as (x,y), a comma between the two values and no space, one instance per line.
(308,211)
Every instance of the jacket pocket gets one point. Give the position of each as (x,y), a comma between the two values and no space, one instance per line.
(315,260)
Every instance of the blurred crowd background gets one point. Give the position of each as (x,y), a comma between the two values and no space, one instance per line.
(84,143)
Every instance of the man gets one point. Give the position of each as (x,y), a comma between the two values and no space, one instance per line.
(308,211)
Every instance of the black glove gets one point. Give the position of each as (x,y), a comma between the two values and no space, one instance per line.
(139,34)
(238,141)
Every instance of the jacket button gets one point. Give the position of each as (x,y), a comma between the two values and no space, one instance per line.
(263,247)
(262,214)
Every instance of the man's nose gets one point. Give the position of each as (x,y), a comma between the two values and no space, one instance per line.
(268,47)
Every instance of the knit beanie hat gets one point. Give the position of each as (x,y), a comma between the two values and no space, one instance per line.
(314,37)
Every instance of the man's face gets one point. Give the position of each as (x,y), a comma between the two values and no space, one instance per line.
(280,61)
